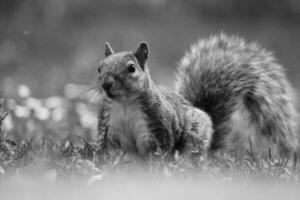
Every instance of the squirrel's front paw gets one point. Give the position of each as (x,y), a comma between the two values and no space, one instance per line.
(199,132)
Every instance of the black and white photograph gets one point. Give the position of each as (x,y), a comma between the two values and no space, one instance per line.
(149,99)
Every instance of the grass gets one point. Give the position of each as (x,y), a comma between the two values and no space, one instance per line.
(48,141)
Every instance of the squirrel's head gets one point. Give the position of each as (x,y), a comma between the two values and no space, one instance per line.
(124,75)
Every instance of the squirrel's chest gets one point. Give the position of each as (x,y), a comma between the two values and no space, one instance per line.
(129,128)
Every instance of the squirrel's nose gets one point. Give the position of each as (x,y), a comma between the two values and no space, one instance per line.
(107,84)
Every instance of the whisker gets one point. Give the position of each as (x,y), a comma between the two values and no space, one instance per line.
(93,94)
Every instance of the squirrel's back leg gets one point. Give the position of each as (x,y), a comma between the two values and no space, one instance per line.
(275,120)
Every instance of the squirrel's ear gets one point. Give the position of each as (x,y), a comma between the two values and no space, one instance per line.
(108,49)
(141,54)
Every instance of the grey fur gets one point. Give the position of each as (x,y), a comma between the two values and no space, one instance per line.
(226,76)
(174,122)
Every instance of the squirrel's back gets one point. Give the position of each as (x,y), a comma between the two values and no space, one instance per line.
(244,90)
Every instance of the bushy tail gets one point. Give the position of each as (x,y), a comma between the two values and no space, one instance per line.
(244,90)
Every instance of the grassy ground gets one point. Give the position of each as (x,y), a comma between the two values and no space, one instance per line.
(49,146)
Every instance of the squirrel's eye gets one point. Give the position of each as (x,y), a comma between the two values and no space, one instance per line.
(99,70)
(131,68)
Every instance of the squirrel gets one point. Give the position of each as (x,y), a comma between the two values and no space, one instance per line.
(229,95)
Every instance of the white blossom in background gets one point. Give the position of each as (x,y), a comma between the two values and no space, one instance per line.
(58,114)
(33,103)
(54,102)
(42,113)
(87,117)
(22,111)
(24,91)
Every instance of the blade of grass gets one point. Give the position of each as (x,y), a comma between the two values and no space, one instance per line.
(270,155)
(3,115)
(295,160)
(251,150)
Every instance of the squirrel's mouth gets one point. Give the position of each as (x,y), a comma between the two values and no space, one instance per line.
(110,95)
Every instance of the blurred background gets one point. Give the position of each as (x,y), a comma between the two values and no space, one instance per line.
(50,49)
(46,44)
